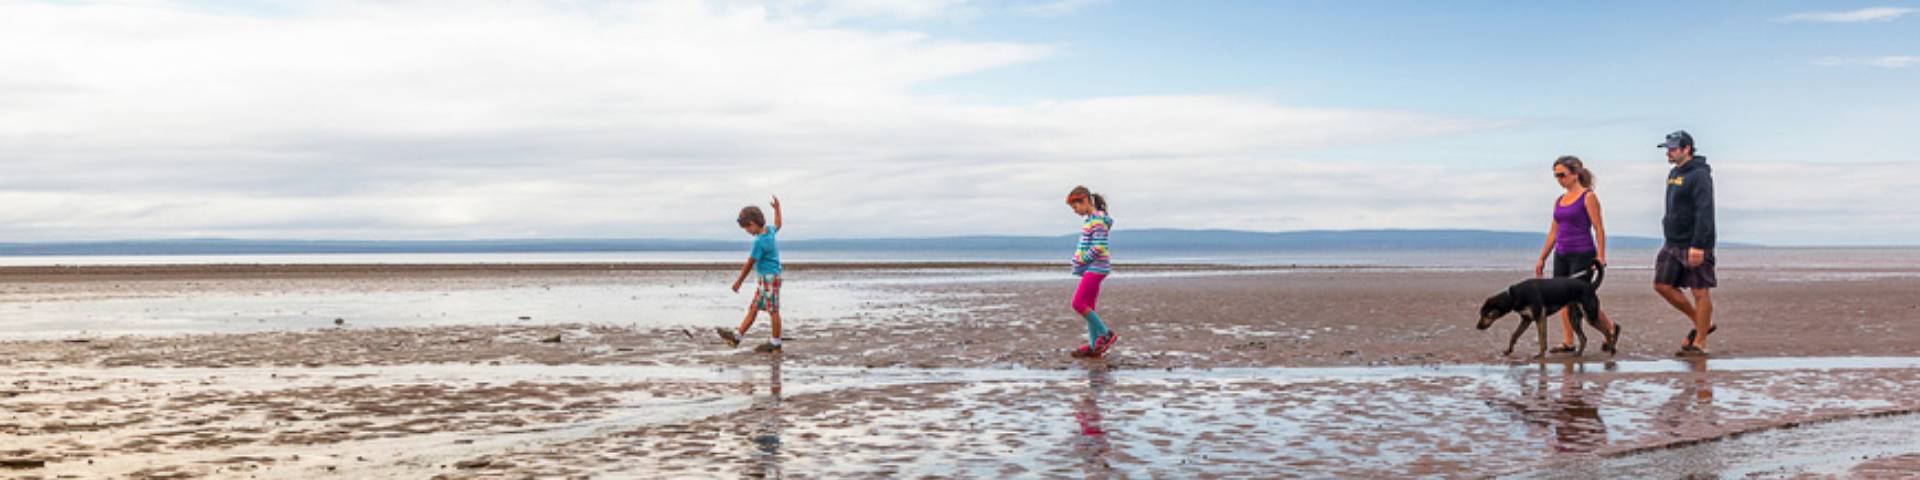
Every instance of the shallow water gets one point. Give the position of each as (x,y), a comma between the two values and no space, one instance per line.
(1456,420)
(650,300)
(1792,258)
(683,298)
(1827,449)
(655,301)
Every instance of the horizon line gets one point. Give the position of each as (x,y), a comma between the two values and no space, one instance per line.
(876,238)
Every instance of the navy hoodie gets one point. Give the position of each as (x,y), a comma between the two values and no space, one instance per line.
(1689,220)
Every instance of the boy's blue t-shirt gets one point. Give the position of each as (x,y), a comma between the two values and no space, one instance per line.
(766,255)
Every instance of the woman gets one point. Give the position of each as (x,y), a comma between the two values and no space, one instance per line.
(1577,239)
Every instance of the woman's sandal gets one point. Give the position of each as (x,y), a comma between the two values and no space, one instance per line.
(1563,348)
(1691,351)
(1613,347)
(1691,332)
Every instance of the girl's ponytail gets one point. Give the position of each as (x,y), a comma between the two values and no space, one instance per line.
(1082,193)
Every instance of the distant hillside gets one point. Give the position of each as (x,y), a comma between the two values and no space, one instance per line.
(260,247)
(1143,240)
(1354,240)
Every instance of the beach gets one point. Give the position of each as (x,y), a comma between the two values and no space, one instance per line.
(1006,239)
(612,370)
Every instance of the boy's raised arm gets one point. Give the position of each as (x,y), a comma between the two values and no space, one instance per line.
(776,213)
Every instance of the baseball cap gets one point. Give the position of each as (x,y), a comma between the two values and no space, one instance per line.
(1677,139)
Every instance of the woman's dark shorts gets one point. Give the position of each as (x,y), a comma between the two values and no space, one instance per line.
(1567,264)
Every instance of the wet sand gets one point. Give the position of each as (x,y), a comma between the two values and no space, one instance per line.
(959,370)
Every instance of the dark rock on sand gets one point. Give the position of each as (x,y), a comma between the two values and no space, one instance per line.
(22,463)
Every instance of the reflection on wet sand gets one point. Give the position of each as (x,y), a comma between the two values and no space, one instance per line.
(1576,424)
(1091,445)
(473,388)
(1691,406)
(766,434)
(1569,420)
(1691,409)
(620,421)
(1712,434)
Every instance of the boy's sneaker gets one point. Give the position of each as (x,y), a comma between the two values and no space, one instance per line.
(732,339)
(767,348)
(1105,342)
(1084,351)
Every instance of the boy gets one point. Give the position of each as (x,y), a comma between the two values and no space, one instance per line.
(765,260)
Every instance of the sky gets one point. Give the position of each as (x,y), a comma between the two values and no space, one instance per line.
(150,119)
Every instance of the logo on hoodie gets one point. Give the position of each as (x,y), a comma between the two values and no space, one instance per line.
(1676,181)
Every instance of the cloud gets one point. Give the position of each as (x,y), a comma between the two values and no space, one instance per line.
(1815,204)
(828,11)
(1890,61)
(834,11)
(1877,14)
(1054,8)
(392,120)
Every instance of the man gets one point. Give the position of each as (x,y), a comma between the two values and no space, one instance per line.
(1686,261)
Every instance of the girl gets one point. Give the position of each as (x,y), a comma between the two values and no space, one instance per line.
(1577,238)
(1091,264)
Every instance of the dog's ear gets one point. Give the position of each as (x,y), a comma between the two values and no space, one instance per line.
(1502,301)
(1495,307)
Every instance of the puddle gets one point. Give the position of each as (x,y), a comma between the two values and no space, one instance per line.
(1828,449)
(409,420)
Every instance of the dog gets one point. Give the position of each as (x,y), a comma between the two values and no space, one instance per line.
(1536,298)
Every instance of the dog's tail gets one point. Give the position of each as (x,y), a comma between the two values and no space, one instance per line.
(1594,275)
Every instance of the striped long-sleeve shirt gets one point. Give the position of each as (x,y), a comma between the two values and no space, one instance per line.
(1092,254)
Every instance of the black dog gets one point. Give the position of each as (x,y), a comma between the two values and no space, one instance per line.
(1538,297)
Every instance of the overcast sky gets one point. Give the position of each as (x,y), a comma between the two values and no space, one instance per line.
(589,119)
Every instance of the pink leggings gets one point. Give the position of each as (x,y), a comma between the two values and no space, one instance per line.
(1088,293)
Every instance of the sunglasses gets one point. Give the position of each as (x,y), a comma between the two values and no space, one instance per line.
(1559,175)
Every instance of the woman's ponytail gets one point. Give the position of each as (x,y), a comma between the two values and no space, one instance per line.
(1578,169)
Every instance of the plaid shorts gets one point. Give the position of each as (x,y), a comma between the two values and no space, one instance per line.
(767,299)
(1670,268)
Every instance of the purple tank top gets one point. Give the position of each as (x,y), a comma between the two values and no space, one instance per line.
(1575,228)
